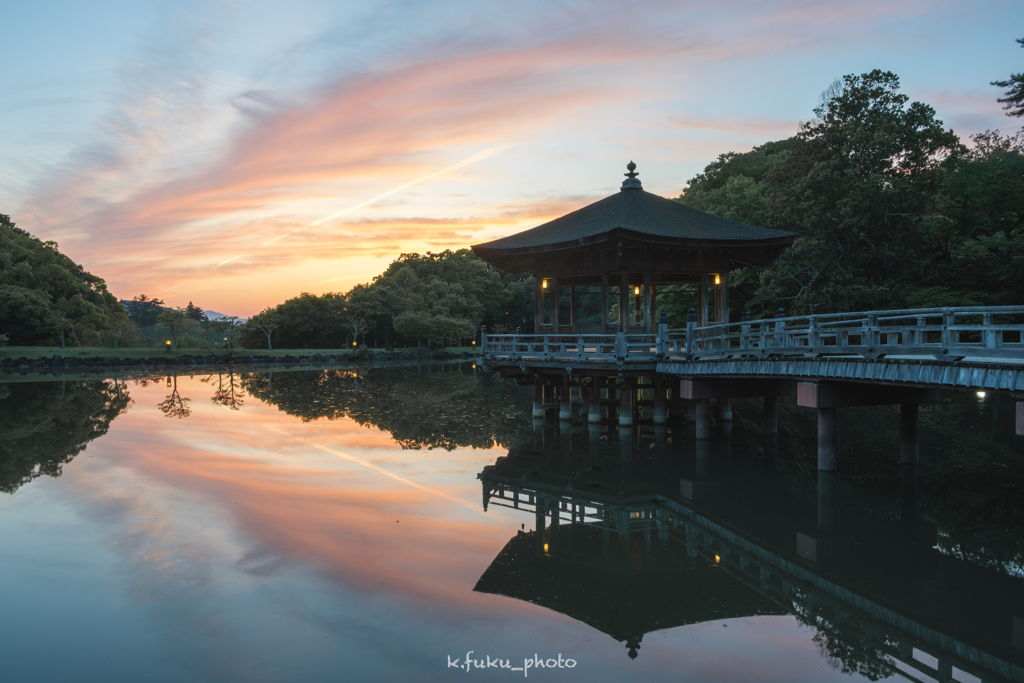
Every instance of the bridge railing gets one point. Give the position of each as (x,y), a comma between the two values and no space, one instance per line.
(945,333)
(566,347)
(991,331)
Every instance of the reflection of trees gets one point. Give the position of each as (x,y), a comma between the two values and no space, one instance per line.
(174,405)
(228,390)
(843,646)
(971,466)
(434,407)
(45,424)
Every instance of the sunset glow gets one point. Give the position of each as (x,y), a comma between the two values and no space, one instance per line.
(237,155)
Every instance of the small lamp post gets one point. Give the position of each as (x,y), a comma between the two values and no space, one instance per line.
(167,345)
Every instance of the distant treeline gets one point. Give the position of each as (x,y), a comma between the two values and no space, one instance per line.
(432,299)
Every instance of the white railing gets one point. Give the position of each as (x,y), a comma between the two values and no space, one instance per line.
(944,333)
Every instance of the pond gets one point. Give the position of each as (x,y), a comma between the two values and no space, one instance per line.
(395,523)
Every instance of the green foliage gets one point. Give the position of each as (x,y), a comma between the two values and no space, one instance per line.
(433,406)
(890,209)
(1014,100)
(46,297)
(434,298)
(44,425)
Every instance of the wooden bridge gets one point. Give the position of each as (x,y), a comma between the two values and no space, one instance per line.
(837,360)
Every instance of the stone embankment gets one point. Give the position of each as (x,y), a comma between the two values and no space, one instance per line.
(58,364)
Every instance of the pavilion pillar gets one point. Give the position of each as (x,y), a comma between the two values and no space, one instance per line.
(722,292)
(702,301)
(654,310)
(553,286)
(626,389)
(648,327)
(572,307)
(909,433)
(565,411)
(538,398)
(624,301)
(604,304)
(538,304)
(594,414)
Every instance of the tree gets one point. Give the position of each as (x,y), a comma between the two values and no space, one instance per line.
(1014,100)
(267,323)
(176,321)
(193,312)
(857,185)
(144,310)
(78,301)
(174,405)
(227,330)
(25,315)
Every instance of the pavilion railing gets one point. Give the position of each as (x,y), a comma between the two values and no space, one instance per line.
(944,333)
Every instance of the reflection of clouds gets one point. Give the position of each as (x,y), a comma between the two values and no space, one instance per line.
(260,562)
(325,495)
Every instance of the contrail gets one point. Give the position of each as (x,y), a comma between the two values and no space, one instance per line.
(380,470)
(468,161)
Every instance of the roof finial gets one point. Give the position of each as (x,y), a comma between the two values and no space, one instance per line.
(631,182)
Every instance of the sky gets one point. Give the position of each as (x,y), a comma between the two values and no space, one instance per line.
(235,154)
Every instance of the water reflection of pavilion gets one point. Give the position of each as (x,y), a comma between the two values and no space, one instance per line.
(640,536)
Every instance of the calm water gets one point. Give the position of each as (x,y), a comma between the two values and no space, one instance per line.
(331,525)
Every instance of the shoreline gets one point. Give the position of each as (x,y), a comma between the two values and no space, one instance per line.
(60,366)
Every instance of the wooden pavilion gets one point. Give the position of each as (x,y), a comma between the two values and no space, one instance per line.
(629,245)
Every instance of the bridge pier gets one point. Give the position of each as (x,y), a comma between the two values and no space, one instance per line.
(698,391)
(565,398)
(827,439)
(827,397)
(910,448)
(1020,418)
(660,413)
(626,390)
(703,406)
(538,399)
(594,411)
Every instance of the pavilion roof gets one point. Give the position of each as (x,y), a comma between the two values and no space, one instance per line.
(639,212)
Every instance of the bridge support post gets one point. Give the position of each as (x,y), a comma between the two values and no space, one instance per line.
(538,399)
(725,409)
(703,418)
(565,410)
(594,412)
(626,389)
(827,439)
(771,416)
(1020,418)
(660,414)
(691,412)
(909,434)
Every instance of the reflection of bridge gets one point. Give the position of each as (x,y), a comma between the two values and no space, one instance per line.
(670,534)
(841,360)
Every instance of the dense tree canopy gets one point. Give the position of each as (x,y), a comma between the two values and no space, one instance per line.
(432,299)
(45,297)
(890,208)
